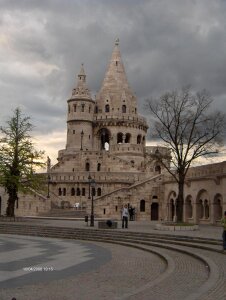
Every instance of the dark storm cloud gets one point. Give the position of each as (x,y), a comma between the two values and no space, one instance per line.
(164,45)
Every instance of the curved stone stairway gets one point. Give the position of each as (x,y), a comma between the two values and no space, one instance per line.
(192,268)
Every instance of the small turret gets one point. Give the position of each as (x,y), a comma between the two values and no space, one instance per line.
(81,90)
(80,115)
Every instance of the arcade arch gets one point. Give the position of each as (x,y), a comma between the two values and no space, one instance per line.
(217,207)
(203,207)
(104,138)
(188,208)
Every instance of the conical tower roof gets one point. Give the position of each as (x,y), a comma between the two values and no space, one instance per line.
(81,90)
(115,87)
(115,76)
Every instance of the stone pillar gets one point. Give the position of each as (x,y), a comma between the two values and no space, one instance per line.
(175,211)
(194,212)
(123,138)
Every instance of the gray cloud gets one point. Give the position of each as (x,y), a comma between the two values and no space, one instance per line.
(164,45)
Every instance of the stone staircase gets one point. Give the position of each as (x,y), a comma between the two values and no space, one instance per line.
(64,213)
(112,236)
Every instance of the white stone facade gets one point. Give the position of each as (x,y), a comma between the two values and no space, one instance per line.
(106,140)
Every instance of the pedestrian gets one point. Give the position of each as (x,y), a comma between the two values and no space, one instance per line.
(121,211)
(223,222)
(125,214)
(130,213)
(134,214)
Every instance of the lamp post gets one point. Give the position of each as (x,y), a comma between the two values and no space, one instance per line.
(92,184)
(82,134)
(48,178)
(89,178)
(48,174)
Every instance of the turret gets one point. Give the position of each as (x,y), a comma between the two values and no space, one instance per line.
(117,122)
(80,116)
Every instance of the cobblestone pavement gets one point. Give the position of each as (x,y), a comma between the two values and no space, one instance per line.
(108,271)
(127,269)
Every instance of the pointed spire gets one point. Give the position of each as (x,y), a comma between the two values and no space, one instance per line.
(81,90)
(82,71)
(115,80)
(117,42)
(115,75)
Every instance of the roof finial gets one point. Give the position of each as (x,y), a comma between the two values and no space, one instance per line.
(117,42)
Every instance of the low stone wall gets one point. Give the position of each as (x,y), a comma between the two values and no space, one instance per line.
(108,224)
(171,227)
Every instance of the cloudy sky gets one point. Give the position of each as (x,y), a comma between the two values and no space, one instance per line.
(165,44)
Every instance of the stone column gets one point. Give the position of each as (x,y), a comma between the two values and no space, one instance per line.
(194,212)
(175,211)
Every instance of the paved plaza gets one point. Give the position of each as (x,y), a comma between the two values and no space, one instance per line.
(28,260)
(38,268)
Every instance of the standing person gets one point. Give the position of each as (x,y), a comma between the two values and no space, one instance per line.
(121,211)
(130,213)
(223,222)
(125,214)
(134,214)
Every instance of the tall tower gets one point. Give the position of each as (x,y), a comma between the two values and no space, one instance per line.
(80,116)
(116,120)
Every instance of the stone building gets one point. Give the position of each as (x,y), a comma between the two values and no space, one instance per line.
(106,143)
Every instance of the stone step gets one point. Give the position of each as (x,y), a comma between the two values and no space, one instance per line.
(108,236)
(64,213)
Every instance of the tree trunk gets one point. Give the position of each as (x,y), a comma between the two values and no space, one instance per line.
(180,200)
(11,202)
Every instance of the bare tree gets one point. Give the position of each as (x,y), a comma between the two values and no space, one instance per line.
(184,122)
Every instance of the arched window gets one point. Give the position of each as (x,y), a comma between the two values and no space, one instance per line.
(128,137)
(64,191)
(72,192)
(138,139)
(87,166)
(104,139)
(59,192)
(206,209)
(96,109)
(119,138)
(124,108)
(99,192)
(107,108)
(83,107)
(158,169)
(74,107)
(98,166)
(83,191)
(78,193)
(142,205)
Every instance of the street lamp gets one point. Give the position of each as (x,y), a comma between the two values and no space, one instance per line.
(82,134)
(48,185)
(48,174)
(89,178)
(92,183)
